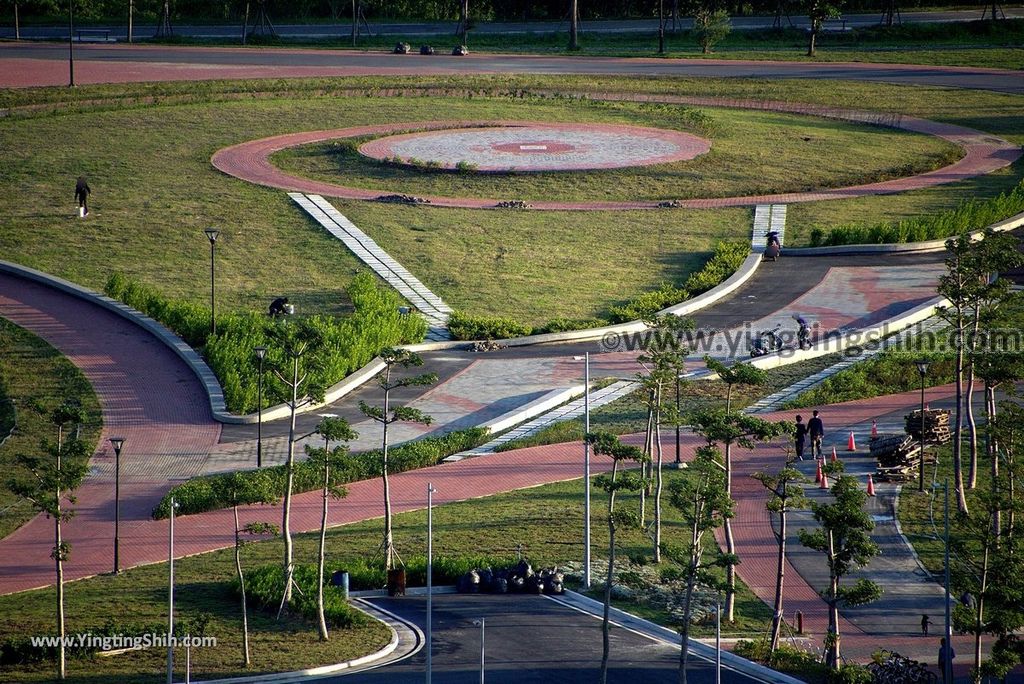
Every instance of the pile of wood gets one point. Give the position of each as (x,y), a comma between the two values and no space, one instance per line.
(898,457)
(936,426)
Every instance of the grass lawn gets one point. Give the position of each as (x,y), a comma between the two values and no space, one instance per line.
(973,43)
(34,379)
(802,151)
(545,520)
(146,150)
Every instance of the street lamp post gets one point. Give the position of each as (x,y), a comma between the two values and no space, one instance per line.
(261,353)
(170,597)
(922,369)
(947,670)
(212,234)
(586,474)
(118,444)
(678,449)
(482,622)
(71,43)
(430,574)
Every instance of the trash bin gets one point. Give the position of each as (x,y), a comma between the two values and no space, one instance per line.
(396,582)
(340,579)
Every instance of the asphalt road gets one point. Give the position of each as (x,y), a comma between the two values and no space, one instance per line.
(399,29)
(285,63)
(529,640)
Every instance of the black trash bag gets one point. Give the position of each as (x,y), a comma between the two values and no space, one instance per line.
(402,48)
(469,583)
(486,580)
(534,585)
(523,569)
(500,585)
(426,50)
(516,584)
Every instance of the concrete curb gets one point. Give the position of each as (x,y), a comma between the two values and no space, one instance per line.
(538,406)
(723,289)
(649,629)
(904,247)
(389,619)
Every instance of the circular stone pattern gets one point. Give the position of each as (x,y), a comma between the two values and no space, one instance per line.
(539,147)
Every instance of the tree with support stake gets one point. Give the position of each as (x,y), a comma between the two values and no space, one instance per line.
(163,27)
(394,359)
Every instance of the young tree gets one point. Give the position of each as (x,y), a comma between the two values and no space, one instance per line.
(323,460)
(710,27)
(844,536)
(50,480)
(786,495)
(818,11)
(736,374)
(245,490)
(719,427)
(607,444)
(574,24)
(394,358)
(293,357)
(702,500)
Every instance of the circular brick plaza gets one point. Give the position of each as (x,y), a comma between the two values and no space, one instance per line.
(538,147)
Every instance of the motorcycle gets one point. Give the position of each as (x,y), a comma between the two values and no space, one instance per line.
(772,248)
(766,342)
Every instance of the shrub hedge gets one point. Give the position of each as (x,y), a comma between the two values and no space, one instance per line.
(200,494)
(970,215)
(369,574)
(351,341)
(263,586)
(728,257)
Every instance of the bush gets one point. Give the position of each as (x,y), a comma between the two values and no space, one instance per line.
(263,587)
(200,494)
(969,216)
(351,341)
(464,326)
(364,574)
(556,325)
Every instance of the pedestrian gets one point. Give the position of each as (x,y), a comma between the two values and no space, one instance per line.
(801,435)
(946,656)
(82,191)
(925,621)
(816,431)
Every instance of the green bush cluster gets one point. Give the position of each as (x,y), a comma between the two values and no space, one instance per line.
(351,341)
(364,573)
(728,257)
(263,586)
(970,215)
(802,664)
(202,494)
(887,373)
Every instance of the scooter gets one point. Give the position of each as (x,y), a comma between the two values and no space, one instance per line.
(766,342)
(772,248)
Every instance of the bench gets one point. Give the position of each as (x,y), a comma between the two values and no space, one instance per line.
(94,35)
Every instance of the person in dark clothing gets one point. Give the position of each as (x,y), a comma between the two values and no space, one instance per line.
(946,655)
(279,307)
(799,437)
(82,191)
(816,431)
(925,621)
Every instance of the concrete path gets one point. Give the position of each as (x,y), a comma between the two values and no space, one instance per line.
(383,264)
(26,65)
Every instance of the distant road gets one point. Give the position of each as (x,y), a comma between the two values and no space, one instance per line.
(398,30)
(27,63)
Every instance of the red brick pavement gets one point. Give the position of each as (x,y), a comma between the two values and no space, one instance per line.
(984,153)
(148,395)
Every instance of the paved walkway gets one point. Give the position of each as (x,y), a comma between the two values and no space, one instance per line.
(984,153)
(383,264)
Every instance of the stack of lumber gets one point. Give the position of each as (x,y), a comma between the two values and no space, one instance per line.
(898,457)
(936,426)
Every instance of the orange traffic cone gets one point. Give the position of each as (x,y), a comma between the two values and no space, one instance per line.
(871,486)
(834,456)
(851,445)
(874,429)
(824,480)
(817,476)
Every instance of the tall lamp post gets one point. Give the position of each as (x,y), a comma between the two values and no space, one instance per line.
(482,622)
(212,234)
(118,444)
(71,43)
(430,575)
(678,449)
(922,369)
(170,596)
(261,353)
(586,475)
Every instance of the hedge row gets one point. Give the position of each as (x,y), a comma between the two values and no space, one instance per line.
(352,341)
(202,494)
(263,586)
(728,257)
(970,215)
(366,574)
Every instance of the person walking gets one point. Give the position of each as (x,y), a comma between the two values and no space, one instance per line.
(946,656)
(799,437)
(925,621)
(82,191)
(816,431)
